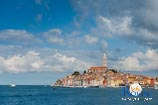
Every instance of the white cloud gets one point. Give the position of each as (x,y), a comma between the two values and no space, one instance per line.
(151,15)
(18,37)
(54,36)
(29,62)
(109,27)
(69,40)
(135,20)
(18,34)
(54,32)
(91,39)
(56,40)
(122,27)
(140,61)
(68,63)
(146,37)
(32,61)
(64,58)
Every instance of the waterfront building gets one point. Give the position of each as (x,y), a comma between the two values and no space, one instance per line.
(104,82)
(156,83)
(152,82)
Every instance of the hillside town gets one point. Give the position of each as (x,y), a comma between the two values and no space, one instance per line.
(102,76)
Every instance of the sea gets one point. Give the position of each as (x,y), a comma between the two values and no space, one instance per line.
(46,95)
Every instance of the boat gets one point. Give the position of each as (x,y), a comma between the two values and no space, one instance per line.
(12,85)
(95,86)
(85,86)
(156,87)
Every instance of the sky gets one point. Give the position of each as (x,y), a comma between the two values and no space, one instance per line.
(44,40)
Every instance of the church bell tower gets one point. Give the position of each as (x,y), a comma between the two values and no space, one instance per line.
(104,62)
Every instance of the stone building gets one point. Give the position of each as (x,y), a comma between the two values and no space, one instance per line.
(99,69)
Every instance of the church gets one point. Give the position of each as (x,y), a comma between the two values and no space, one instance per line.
(100,69)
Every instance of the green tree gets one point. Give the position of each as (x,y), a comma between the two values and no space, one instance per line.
(84,72)
(76,73)
(113,70)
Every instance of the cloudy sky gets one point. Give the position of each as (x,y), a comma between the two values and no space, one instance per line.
(43,40)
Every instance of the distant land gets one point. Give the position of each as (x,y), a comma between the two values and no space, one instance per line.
(102,76)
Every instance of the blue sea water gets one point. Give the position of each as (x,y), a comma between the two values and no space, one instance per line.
(42,95)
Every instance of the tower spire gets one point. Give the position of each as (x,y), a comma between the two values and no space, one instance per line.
(104,63)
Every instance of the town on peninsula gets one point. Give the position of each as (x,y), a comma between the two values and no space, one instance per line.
(102,76)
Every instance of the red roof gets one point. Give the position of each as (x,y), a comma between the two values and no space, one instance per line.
(98,68)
